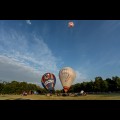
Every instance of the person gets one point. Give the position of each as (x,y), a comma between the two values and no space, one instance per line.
(24,93)
(82,91)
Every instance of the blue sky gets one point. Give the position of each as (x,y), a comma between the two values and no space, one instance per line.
(30,48)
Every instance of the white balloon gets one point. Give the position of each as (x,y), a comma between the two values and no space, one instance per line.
(67,75)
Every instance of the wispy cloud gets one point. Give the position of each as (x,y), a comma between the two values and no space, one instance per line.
(11,69)
(80,77)
(109,26)
(25,57)
(28,22)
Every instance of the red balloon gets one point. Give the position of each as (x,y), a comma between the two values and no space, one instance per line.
(70,24)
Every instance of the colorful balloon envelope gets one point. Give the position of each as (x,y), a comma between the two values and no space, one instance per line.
(67,75)
(71,24)
(48,81)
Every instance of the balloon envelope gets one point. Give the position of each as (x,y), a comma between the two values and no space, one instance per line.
(70,24)
(48,81)
(67,76)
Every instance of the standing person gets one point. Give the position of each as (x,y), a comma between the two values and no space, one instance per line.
(82,92)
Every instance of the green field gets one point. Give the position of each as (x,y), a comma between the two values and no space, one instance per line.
(54,97)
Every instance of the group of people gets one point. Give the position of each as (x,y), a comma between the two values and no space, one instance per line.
(24,93)
(72,94)
(50,94)
(82,92)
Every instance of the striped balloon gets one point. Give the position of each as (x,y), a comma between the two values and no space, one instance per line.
(48,81)
(67,75)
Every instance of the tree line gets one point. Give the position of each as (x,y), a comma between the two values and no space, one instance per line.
(15,87)
(98,85)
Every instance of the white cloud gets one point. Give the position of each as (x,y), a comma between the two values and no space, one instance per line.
(25,57)
(28,22)
(10,69)
(80,77)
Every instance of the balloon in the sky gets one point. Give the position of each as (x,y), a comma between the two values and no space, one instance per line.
(71,24)
(48,81)
(67,75)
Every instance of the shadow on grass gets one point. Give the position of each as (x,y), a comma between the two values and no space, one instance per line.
(17,99)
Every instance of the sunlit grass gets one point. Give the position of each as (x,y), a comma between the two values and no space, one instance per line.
(54,97)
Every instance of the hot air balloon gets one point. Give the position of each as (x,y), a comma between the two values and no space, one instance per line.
(67,76)
(48,81)
(70,24)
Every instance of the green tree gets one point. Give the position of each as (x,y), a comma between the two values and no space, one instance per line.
(90,86)
(116,82)
(97,84)
(1,87)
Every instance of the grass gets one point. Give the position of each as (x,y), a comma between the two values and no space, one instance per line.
(54,97)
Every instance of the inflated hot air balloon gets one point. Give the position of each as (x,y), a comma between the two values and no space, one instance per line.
(71,24)
(67,75)
(48,81)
